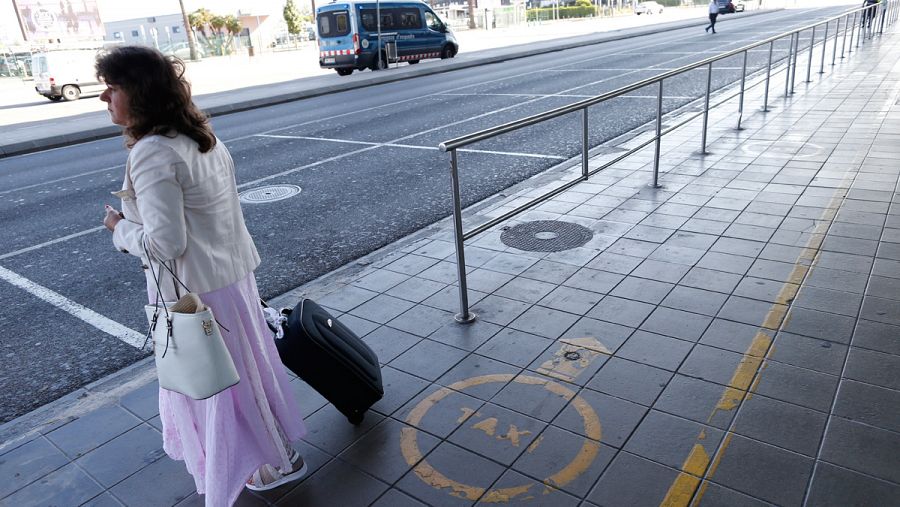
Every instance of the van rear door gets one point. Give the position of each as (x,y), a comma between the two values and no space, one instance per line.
(335,37)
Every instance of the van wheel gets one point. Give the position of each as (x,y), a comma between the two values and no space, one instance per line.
(379,64)
(413,62)
(344,72)
(71,92)
(55,98)
(447,52)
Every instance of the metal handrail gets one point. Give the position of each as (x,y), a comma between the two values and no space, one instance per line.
(885,7)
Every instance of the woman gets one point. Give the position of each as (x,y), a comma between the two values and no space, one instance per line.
(180,201)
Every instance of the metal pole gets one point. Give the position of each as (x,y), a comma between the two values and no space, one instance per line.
(585,147)
(881,25)
(794,66)
(787,75)
(464,316)
(741,100)
(706,107)
(852,31)
(768,74)
(824,47)
(837,33)
(812,44)
(862,26)
(659,97)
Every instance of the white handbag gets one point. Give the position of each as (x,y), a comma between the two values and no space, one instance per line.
(191,356)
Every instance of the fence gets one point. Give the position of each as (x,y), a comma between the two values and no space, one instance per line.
(862,23)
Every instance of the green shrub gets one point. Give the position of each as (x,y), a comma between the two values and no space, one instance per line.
(579,11)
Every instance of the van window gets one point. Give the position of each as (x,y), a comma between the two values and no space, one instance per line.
(433,22)
(391,19)
(39,62)
(333,24)
(409,18)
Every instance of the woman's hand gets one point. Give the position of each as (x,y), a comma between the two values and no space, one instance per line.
(112,217)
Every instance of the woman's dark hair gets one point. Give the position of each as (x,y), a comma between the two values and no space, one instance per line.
(159,97)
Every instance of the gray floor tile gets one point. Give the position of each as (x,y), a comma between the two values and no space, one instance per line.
(694,300)
(633,247)
(421,320)
(886,267)
(734,336)
(764,471)
(123,455)
(678,255)
(380,280)
(103,500)
(873,367)
(411,264)
(499,310)
(737,244)
(92,430)
(525,289)
(629,380)
(556,362)
(693,240)
(465,336)
(535,395)
(869,404)
(836,279)
(497,433)
(617,418)
(753,312)
(676,323)
(28,463)
(572,300)
(641,289)
(594,280)
(544,321)
(476,366)
(388,343)
(347,298)
(143,402)
(827,300)
(726,262)
(444,272)
(877,336)
(862,448)
(881,310)
(361,327)
(448,299)
(615,263)
(610,335)
(308,399)
(815,324)
(699,401)
(796,385)
(655,350)
(845,262)
(428,359)
(632,480)
(513,488)
(142,489)
(708,279)
(884,287)
(811,353)
(382,308)
(777,271)
(509,263)
(711,494)
(622,311)
(395,498)
(769,291)
(337,483)
(669,440)
(661,271)
(717,365)
(849,245)
(415,289)
(68,485)
(399,389)
(837,487)
(477,474)
(485,280)
(649,233)
(550,272)
(378,452)
(558,448)
(781,424)
(330,430)
(514,347)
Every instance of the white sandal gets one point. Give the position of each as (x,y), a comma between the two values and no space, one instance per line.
(268,477)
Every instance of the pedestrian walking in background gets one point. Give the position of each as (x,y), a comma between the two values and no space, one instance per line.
(180,203)
(869,14)
(713,14)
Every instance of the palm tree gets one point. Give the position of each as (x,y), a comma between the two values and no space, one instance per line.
(192,41)
(233,27)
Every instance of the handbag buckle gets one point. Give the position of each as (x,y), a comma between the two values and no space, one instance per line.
(207,327)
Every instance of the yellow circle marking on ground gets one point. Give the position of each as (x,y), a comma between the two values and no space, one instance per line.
(586,455)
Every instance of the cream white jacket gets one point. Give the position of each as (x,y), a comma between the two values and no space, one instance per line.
(184,206)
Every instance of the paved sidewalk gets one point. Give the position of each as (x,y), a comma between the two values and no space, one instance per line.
(733,337)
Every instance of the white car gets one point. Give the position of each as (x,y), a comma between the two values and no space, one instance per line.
(648,8)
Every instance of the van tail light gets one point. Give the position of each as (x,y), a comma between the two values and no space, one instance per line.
(52,80)
(356,43)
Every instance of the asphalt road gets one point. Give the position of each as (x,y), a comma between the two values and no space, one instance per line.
(370,173)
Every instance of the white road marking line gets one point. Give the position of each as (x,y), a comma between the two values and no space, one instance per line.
(84,314)
(575,96)
(67,178)
(52,242)
(415,147)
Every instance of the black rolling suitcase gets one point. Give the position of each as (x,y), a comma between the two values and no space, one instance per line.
(331,359)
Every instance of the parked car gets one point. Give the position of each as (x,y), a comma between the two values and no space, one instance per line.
(66,74)
(726,6)
(738,7)
(182,50)
(648,8)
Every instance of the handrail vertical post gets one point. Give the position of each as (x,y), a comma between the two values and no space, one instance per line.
(585,146)
(464,316)
(706,107)
(794,67)
(741,100)
(837,33)
(768,75)
(862,26)
(824,47)
(787,74)
(659,101)
(852,31)
(881,24)
(812,44)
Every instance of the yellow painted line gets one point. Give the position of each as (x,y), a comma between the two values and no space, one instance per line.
(681,491)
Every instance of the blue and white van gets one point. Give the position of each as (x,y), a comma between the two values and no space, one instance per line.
(348,34)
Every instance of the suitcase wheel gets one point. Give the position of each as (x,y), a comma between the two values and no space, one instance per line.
(356,419)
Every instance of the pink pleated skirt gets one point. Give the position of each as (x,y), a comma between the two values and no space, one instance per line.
(224,439)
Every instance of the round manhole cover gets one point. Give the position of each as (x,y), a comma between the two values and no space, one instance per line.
(269,193)
(546,236)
